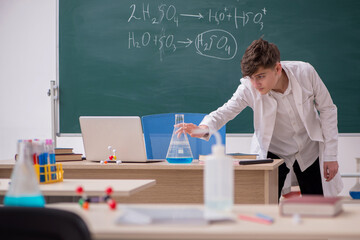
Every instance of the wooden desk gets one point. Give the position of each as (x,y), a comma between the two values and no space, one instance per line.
(175,183)
(101,224)
(92,187)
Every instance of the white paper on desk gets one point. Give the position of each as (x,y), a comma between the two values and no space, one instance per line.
(168,215)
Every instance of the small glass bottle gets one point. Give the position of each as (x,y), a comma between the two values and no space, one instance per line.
(179,150)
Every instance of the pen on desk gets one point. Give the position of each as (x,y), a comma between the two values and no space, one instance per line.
(263,216)
(255,219)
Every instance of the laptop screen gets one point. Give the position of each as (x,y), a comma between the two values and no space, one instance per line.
(122,133)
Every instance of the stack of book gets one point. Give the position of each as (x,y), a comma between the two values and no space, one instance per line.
(67,154)
(311,206)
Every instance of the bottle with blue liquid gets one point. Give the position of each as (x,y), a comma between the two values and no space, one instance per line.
(49,147)
(46,159)
(24,188)
(355,190)
(41,157)
(179,150)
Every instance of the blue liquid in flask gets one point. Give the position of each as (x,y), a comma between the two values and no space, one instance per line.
(25,201)
(179,160)
(355,190)
(24,189)
(179,151)
(355,194)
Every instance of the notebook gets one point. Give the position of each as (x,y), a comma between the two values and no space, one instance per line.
(122,133)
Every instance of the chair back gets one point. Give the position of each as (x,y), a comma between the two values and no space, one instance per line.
(41,223)
(158,129)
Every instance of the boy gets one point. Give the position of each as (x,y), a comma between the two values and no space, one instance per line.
(294,118)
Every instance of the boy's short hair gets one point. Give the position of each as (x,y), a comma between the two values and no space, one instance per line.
(260,53)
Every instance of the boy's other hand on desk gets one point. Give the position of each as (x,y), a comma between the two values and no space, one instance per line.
(330,170)
(192,129)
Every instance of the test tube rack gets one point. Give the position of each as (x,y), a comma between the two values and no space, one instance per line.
(50,173)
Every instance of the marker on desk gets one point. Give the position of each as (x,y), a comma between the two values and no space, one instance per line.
(255,219)
(263,216)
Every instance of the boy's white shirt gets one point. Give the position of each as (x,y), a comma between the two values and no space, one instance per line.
(309,92)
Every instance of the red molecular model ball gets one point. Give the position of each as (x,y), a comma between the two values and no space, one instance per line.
(112,204)
(108,190)
(79,190)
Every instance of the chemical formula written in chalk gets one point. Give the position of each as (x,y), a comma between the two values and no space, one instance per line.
(216,43)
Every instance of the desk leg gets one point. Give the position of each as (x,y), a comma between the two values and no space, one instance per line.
(271,187)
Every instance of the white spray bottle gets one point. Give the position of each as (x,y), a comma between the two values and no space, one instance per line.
(218,182)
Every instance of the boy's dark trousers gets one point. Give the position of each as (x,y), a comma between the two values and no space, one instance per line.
(309,180)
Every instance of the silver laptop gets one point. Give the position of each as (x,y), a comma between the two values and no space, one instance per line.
(124,134)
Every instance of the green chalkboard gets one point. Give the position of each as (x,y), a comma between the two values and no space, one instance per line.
(121,57)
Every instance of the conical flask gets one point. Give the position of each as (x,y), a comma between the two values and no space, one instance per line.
(179,149)
(24,188)
(355,190)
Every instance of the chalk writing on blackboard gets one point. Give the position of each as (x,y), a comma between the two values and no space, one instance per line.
(216,43)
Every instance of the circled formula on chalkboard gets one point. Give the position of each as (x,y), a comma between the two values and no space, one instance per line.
(216,43)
